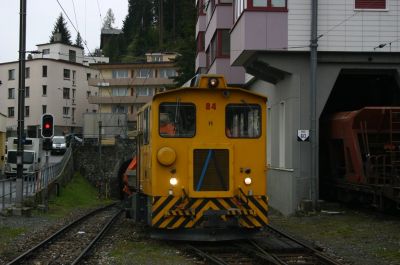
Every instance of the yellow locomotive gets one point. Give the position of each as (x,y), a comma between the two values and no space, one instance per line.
(200,169)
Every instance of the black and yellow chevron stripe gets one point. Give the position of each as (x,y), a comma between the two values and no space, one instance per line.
(174,212)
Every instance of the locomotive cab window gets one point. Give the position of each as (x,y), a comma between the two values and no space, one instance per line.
(177,120)
(243,120)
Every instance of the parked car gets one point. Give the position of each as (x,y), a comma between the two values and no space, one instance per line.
(59,145)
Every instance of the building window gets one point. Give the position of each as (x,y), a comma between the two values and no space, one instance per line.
(224,44)
(73,77)
(65,110)
(119,91)
(11,93)
(219,45)
(144,73)
(262,5)
(44,90)
(201,8)
(142,91)
(27,72)
(167,73)
(26,111)
(119,109)
(156,58)
(66,93)
(73,115)
(72,56)
(46,51)
(10,112)
(370,4)
(67,74)
(120,74)
(44,70)
(73,92)
(11,74)
(27,92)
(88,76)
(88,93)
(200,41)
(44,109)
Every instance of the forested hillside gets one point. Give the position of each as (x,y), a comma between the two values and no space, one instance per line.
(157,26)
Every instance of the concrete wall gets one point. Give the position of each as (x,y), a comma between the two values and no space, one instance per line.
(87,162)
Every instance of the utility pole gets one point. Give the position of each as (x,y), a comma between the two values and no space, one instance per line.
(100,163)
(313,95)
(21,102)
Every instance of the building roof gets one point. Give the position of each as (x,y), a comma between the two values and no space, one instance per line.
(48,59)
(111,31)
(59,42)
(130,64)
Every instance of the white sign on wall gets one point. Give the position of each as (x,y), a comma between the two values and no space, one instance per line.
(303,135)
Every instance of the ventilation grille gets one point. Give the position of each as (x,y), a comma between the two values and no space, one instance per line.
(211,170)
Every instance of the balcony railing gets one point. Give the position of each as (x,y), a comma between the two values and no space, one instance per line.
(130,81)
(118,99)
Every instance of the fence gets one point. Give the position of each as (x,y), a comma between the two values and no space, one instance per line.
(32,183)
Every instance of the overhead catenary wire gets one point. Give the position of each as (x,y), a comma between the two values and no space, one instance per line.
(76,20)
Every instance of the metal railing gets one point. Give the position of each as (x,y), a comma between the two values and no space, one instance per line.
(32,183)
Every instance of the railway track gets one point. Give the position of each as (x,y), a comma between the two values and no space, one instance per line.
(276,247)
(71,244)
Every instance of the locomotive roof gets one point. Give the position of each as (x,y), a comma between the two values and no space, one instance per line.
(201,82)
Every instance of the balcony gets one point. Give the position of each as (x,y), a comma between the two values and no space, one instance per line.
(258,31)
(118,100)
(130,81)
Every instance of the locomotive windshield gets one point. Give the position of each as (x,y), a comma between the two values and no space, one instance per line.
(177,120)
(243,120)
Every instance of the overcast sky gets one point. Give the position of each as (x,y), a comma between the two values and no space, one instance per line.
(42,15)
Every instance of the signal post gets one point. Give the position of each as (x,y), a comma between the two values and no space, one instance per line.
(47,132)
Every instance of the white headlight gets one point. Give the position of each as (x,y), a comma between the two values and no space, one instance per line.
(247,181)
(173,181)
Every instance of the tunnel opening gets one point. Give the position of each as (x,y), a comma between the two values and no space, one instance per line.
(353,90)
(121,173)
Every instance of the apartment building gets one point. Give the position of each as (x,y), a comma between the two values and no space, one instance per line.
(126,87)
(56,82)
(3,119)
(358,64)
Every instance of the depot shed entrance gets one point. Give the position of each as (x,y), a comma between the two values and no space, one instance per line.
(345,81)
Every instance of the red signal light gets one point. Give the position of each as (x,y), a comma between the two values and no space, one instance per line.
(47,129)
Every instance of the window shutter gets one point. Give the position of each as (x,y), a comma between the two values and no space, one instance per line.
(370,4)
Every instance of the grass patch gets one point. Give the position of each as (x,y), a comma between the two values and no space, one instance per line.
(8,234)
(79,193)
(148,252)
(390,254)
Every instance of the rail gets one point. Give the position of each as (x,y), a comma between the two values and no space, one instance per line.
(82,246)
(32,183)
